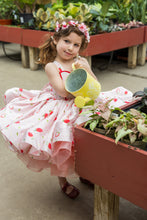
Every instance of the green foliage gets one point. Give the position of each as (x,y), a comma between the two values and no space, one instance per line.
(100,16)
(46,19)
(129,10)
(65,2)
(138,10)
(57,12)
(122,133)
(118,124)
(6,9)
(121,10)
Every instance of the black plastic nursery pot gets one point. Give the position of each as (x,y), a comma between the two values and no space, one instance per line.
(24,18)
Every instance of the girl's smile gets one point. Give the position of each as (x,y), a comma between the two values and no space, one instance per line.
(68,53)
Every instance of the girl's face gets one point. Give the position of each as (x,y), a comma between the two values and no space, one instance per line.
(68,47)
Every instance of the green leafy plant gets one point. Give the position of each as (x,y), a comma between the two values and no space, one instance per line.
(125,11)
(45,18)
(130,126)
(121,10)
(6,9)
(65,2)
(100,17)
(138,10)
(79,11)
(26,9)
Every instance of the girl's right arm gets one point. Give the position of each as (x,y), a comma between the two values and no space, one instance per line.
(55,80)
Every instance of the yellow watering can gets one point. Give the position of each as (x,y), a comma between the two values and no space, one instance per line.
(83,86)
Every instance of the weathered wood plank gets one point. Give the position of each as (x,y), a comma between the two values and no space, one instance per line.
(33,56)
(141,54)
(25,56)
(132,57)
(106,204)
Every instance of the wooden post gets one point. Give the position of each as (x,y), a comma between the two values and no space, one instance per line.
(33,56)
(25,56)
(132,57)
(141,55)
(106,204)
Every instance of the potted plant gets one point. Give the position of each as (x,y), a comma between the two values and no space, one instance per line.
(106,150)
(6,12)
(25,8)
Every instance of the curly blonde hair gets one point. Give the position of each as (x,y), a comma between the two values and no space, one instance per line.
(48,50)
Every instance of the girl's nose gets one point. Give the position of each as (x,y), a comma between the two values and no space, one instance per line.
(70,47)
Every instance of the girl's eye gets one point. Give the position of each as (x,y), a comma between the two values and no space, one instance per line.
(66,41)
(77,45)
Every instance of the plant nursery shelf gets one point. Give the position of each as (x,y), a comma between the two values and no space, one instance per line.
(116,170)
(99,43)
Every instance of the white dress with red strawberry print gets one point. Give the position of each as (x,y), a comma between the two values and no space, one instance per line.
(39,124)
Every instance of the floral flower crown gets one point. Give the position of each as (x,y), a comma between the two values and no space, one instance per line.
(82,27)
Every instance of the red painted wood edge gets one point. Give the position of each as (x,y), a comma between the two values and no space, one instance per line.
(34,38)
(119,168)
(145,34)
(10,34)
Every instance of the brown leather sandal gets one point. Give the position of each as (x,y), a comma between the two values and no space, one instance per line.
(87,182)
(73,194)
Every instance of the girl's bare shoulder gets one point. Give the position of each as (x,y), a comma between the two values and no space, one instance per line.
(51,67)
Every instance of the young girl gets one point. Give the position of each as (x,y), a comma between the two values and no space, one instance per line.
(38,125)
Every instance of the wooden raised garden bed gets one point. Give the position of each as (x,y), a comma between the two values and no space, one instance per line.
(119,170)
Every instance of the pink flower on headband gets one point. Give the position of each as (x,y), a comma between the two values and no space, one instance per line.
(82,27)
(73,23)
(57,26)
(87,36)
(65,25)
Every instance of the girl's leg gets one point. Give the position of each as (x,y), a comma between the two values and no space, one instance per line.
(70,190)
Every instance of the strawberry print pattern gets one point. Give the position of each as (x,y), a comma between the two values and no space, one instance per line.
(38,125)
